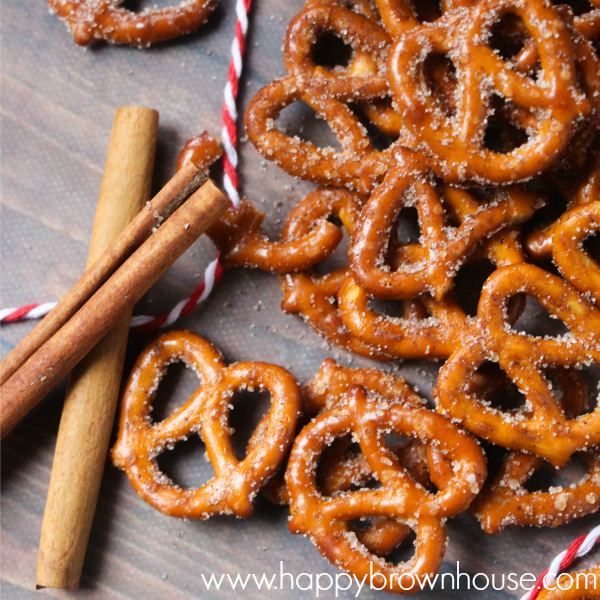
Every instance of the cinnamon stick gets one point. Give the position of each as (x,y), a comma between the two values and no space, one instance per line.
(184,183)
(93,388)
(111,302)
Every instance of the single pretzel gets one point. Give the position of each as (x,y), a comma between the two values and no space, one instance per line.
(506,502)
(543,428)
(325,519)
(428,267)
(435,334)
(358,165)
(93,20)
(456,142)
(236,483)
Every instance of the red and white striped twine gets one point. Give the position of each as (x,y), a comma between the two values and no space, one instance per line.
(215,270)
(580,547)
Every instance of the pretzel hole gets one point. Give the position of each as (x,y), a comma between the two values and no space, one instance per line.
(547,477)
(591,245)
(503,137)
(469,282)
(138,6)
(573,398)
(176,388)
(405,551)
(427,11)
(299,119)
(394,309)
(187,464)
(249,407)
(331,51)
(536,321)
(491,386)
(509,400)
(408,227)
(338,259)
(508,36)
(379,140)
(439,74)
(579,7)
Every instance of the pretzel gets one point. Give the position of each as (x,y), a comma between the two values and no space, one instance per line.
(428,267)
(507,502)
(358,166)
(541,429)
(325,391)
(567,248)
(93,20)
(325,520)
(314,297)
(435,334)
(236,483)
(456,144)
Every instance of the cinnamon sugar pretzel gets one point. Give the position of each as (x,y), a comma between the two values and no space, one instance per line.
(140,441)
(93,20)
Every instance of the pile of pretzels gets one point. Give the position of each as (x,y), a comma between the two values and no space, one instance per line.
(492,109)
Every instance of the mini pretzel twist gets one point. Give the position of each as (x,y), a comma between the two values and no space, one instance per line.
(428,267)
(140,441)
(327,92)
(543,428)
(93,20)
(325,519)
(456,141)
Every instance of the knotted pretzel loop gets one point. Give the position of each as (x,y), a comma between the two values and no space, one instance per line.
(93,20)
(326,520)
(567,248)
(456,141)
(437,334)
(542,427)
(235,484)
(237,233)
(238,237)
(578,189)
(363,35)
(306,293)
(358,166)
(430,266)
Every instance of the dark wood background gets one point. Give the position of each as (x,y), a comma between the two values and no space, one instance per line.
(57,107)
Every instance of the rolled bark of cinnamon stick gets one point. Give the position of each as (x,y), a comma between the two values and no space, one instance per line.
(101,312)
(93,388)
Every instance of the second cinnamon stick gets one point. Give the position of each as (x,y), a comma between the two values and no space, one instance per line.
(93,388)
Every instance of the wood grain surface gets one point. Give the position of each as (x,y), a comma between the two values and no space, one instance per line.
(58,102)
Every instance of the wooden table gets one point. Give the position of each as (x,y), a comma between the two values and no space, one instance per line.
(58,102)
